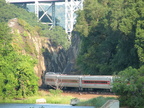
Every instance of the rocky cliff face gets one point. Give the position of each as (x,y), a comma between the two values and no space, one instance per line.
(71,67)
(50,58)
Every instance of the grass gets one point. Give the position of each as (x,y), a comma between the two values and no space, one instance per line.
(55,97)
(50,98)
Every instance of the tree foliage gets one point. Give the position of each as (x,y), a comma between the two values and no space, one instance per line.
(9,11)
(112,35)
(112,42)
(29,22)
(129,86)
(16,70)
(58,36)
(18,78)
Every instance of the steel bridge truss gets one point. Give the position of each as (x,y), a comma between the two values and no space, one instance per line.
(71,6)
(49,7)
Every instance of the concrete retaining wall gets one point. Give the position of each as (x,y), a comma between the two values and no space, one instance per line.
(111,104)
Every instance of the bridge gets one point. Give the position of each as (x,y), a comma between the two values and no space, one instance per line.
(71,6)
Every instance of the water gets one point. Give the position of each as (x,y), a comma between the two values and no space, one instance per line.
(41,106)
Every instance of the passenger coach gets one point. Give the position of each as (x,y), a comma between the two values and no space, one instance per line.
(79,81)
(101,82)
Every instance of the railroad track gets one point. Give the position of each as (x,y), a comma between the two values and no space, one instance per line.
(88,92)
(71,91)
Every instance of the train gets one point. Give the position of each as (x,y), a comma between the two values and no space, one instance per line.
(79,81)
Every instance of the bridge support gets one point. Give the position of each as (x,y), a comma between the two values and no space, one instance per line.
(45,6)
(71,6)
(50,6)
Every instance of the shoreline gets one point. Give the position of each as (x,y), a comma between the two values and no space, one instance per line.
(62,98)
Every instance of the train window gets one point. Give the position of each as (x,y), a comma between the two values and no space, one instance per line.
(63,81)
(69,81)
(49,79)
(95,82)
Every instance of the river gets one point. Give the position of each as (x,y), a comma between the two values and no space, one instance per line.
(41,106)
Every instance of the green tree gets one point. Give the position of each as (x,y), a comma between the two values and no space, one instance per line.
(9,11)
(89,17)
(27,81)
(58,36)
(19,79)
(114,36)
(16,70)
(139,40)
(128,84)
(5,39)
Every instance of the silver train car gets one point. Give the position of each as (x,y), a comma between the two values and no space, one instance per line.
(79,81)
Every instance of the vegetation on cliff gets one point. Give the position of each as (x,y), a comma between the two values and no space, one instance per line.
(57,36)
(9,11)
(18,55)
(18,79)
(29,21)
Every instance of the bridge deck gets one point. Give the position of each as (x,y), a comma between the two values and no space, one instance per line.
(32,1)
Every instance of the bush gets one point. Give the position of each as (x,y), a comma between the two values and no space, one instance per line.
(129,85)
(55,92)
(97,102)
(58,36)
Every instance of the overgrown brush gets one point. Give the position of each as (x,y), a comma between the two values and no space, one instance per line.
(97,102)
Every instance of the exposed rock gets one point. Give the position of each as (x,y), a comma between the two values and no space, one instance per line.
(72,53)
(50,58)
(41,100)
(74,101)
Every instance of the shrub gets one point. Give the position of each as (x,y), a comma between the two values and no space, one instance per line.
(55,92)
(129,85)
(97,102)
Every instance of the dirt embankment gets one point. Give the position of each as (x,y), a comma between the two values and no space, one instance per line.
(81,95)
(86,96)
